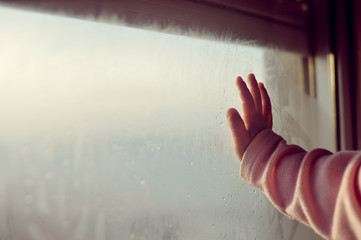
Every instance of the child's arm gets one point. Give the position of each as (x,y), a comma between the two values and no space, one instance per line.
(318,188)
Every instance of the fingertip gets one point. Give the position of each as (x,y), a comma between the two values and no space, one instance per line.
(241,85)
(239,80)
(235,122)
(231,113)
(251,80)
(251,76)
(234,119)
(261,85)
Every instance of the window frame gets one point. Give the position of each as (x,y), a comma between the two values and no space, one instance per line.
(185,17)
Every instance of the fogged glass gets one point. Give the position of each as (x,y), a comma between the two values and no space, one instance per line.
(109,132)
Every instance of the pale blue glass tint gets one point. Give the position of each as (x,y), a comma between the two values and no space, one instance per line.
(109,132)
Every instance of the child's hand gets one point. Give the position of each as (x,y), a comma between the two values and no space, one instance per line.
(257,114)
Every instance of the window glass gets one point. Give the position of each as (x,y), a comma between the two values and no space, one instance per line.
(110,132)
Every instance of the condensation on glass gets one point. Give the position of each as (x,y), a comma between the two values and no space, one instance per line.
(109,132)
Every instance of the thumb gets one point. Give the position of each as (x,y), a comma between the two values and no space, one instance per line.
(240,134)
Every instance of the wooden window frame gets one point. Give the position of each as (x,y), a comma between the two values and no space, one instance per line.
(249,24)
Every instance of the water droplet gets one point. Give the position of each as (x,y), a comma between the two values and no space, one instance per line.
(221,124)
(142,181)
(254,212)
(192,163)
(213,226)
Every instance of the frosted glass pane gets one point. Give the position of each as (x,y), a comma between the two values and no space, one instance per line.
(109,132)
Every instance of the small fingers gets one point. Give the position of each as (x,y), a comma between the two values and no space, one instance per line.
(266,105)
(248,107)
(252,83)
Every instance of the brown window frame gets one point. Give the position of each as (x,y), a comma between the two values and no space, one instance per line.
(257,24)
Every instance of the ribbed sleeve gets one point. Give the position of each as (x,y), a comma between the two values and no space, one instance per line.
(318,188)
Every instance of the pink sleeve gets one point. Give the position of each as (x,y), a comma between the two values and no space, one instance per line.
(318,188)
